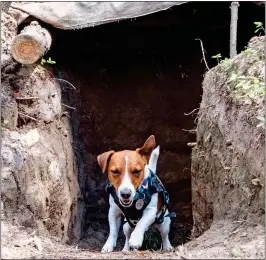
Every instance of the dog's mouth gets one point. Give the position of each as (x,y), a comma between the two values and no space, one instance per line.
(126,202)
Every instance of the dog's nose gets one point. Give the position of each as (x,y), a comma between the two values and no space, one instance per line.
(125,193)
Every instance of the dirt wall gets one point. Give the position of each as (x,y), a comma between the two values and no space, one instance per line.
(228,160)
(39,172)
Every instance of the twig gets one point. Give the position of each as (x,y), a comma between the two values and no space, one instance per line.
(27,116)
(194,110)
(67,82)
(208,106)
(26,98)
(191,144)
(202,49)
(68,106)
(241,223)
(190,131)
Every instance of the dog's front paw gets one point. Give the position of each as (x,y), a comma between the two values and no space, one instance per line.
(167,245)
(126,247)
(168,248)
(136,239)
(108,247)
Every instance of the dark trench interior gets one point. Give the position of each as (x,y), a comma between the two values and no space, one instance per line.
(135,78)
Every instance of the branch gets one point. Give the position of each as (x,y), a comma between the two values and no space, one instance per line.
(193,111)
(68,106)
(202,49)
(190,131)
(27,116)
(26,98)
(67,82)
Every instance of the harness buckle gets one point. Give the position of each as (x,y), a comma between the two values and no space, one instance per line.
(134,222)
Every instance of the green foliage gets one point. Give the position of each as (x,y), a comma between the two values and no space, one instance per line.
(259,27)
(217,57)
(247,86)
(49,61)
(43,61)
(226,61)
(246,51)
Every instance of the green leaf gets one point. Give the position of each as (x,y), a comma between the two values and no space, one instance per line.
(43,61)
(217,56)
(232,78)
(257,30)
(242,77)
(261,118)
(246,51)
(246,86)
(50,61)
(258,23)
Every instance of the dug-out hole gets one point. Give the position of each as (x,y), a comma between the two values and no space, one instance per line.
(136,78)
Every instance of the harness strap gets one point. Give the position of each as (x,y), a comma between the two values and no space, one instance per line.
(131,224)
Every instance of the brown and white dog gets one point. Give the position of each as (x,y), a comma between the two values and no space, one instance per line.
(126,170)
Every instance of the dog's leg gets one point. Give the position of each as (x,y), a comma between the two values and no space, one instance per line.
(127,231)
(144,223)
(164,229)
(118,223)
(114,218)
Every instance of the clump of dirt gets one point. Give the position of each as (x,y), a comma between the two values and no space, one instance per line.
(228,160)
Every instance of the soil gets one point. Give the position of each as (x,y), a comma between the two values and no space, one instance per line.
(130,81)
(224,240)
(227,181)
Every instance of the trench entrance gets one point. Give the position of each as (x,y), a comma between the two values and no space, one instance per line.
(136,78)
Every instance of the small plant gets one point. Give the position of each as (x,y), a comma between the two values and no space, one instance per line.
(250,87)
(259,27)
(262,122)
(49,61)
(246,51)
(217,57)
(226,61)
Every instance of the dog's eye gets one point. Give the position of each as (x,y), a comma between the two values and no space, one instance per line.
(115,172)
(136,171)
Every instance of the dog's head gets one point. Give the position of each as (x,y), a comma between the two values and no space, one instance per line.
(126,169)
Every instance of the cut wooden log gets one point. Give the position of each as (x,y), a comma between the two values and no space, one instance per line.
(31,44)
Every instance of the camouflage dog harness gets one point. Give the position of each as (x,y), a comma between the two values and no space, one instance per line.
(149,186)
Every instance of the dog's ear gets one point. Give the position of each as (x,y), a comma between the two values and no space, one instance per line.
(103,159)
(147,148)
